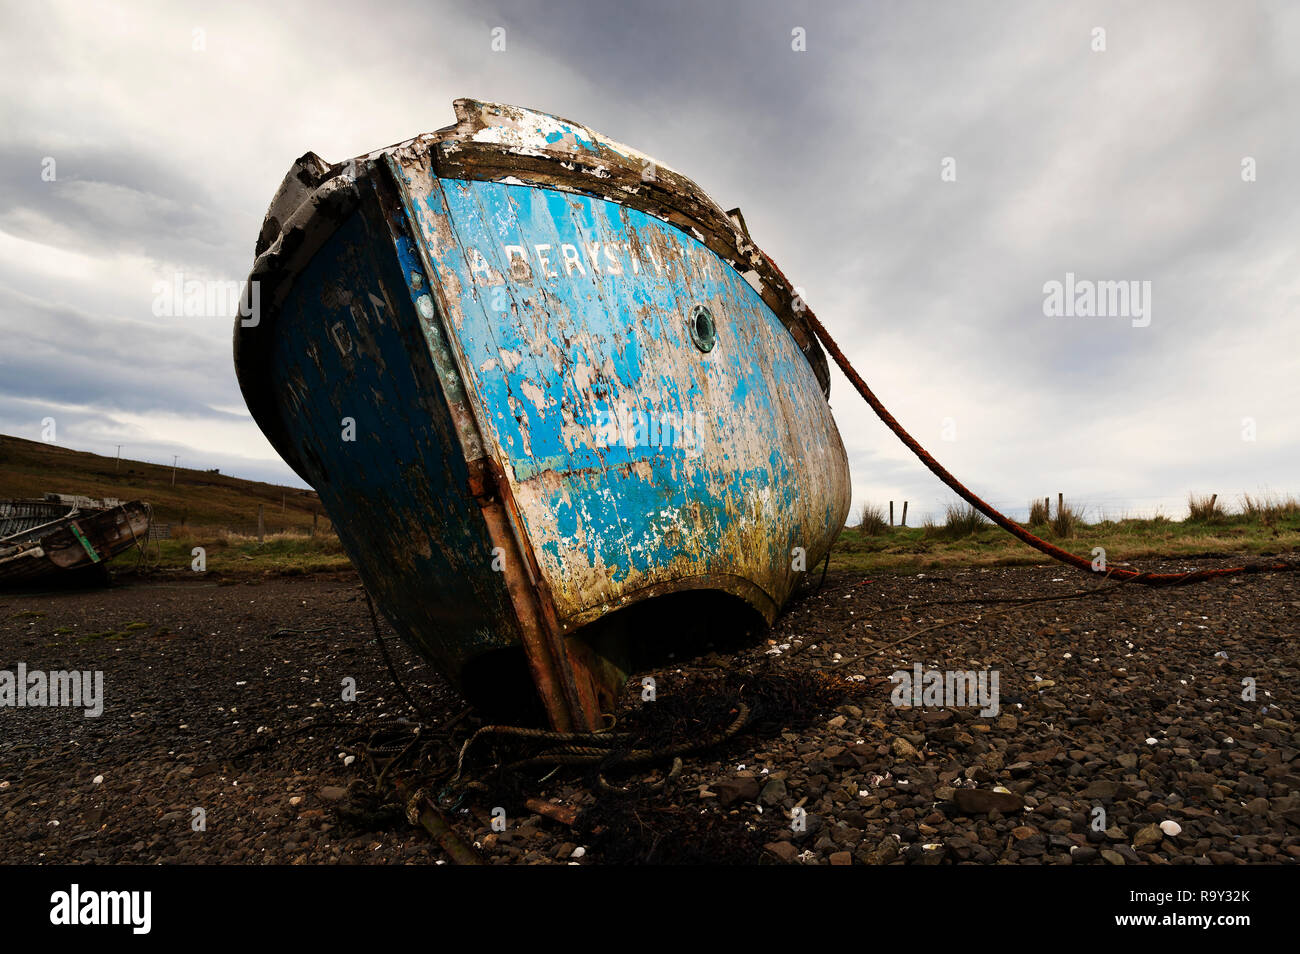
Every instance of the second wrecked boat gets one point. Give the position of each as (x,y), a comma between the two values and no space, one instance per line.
(558,405)
(66,537)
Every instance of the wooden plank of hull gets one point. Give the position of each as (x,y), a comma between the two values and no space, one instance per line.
(19,516)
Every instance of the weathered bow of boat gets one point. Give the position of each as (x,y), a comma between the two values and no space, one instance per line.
(537,377)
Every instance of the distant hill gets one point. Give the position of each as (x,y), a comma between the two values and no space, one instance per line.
(198,498)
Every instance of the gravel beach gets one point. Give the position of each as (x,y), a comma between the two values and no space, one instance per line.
(1125,732)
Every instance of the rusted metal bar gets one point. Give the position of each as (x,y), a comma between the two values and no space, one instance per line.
(563,814)
(421,811)
(548,660)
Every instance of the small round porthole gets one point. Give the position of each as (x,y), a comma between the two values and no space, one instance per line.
(703,331)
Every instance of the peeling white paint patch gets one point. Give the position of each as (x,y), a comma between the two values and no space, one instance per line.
(534,394)
(487,365)
(510,359)
(582,377)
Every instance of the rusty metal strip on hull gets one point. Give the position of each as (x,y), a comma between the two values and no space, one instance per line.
(566,688)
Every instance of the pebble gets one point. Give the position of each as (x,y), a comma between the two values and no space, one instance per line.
(773,792)
(732,790)
(904,749)
(1150,835)
(784,850)
(979,801)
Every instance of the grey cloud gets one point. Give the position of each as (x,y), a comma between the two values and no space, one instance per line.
(1119,165)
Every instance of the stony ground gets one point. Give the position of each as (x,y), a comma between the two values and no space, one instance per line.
(1122,734)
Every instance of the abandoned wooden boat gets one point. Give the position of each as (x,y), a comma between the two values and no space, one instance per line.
(65,537)
(558,405)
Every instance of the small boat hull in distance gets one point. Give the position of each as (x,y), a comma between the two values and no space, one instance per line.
(66,539)
(563,413)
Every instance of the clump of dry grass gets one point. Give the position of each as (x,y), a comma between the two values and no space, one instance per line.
(961,520)
(871,520)
(1038,513)
(1202,509)
(1066,521)
(1266,510)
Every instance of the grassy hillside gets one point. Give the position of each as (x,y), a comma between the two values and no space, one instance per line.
(215,511)
(198,498)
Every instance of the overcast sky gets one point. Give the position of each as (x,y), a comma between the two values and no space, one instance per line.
(1129,163)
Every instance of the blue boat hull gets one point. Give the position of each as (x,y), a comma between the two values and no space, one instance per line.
(532,413)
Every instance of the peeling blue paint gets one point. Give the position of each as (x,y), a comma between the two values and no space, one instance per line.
(598,319)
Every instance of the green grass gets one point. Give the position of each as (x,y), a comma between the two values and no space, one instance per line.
(959,543)
(235,555)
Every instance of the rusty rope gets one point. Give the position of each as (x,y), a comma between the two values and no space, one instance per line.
(545,735)
(1006,523)
(597,748)
(388,660)
(611,755)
